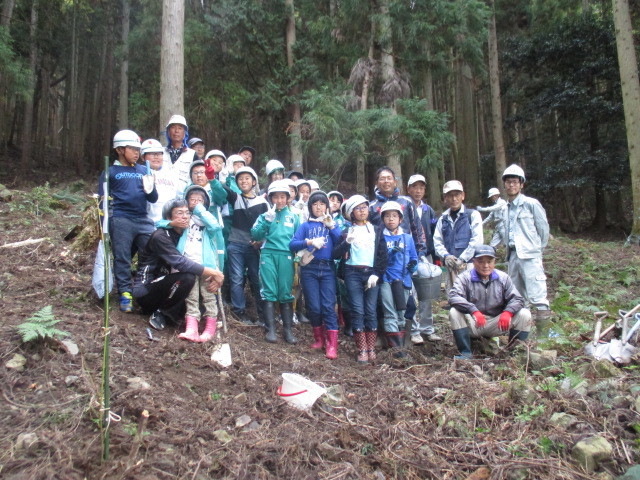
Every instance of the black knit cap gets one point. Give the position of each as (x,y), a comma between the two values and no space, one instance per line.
(317,196)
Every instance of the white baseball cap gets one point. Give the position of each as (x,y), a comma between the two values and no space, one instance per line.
(416,178)
(451,186)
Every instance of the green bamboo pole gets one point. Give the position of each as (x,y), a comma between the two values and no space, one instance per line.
(105,416)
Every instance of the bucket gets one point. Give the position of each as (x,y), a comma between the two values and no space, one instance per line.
(427,288)
(298,391)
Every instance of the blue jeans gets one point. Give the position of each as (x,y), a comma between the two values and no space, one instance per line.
(362,302)
(128,235)
(318,281)
(394,320)
(243,257)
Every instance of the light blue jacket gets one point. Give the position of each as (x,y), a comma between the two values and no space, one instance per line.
(526,228)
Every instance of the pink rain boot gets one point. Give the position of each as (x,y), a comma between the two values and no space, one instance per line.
(191,332)
(209,330)
(318,337)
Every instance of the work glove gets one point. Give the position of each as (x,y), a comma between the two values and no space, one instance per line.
(209,171)
(351,236)
(372,281)
(451,262)
(148,182)
(270,215)
(317,242)
(412,265)
(504,321)
(328,221)
(481,321)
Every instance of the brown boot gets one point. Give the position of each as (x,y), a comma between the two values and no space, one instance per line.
(372,338)
(319,337)
(361,345)
(331,345)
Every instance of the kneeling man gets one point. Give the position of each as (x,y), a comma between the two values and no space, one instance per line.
(485,303)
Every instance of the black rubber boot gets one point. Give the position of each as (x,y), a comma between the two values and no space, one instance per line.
(346,315)
(270,322)
(518,335)
(286,311)
(462,336)
(396,342)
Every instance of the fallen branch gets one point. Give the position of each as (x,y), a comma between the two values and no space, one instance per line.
(29,241)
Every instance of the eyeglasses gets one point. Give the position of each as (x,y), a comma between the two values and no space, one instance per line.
(154,154)
(361,208)
(512,181)
(182,213)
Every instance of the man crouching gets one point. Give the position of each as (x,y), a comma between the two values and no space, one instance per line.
(485,303)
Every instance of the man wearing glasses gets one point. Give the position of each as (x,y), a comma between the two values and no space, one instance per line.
(526,235)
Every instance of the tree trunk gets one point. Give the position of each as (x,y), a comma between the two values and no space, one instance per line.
(294,126)
(123,111)
(27,129)
(631,101)
(172,61)
(496,101)
(467,170)
(7,13)
(361,174)
(433,183)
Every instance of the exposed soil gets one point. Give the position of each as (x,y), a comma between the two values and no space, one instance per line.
(420,417)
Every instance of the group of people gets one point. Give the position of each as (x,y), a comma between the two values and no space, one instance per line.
(199,222)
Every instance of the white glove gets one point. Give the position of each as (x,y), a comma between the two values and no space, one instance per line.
(328,221)
(148,182)
(270,215)
(317,242)
(372,281)
(351,236)
(451,262)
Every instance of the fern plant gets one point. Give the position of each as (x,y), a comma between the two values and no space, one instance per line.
(41,325)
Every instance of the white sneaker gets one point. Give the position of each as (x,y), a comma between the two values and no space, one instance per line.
(434,337)
(416,339)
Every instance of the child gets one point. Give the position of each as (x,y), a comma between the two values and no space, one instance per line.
(396,285)
(244,253)
(318,235)
(363,261)
(130,187)
(336,199)
(198,245)
(165,180)
(276,226)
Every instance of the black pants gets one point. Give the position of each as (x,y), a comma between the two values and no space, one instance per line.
(165,294)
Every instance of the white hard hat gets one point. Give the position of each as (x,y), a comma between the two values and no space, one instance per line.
(514,171)
(215,153)
(353,202)
(248,170)
(273,165)
(151,145)
(235,158)
(391,206)
(337,194)
(493,191)
(313,185)
(301,182)
(451,186)
(279,186)
(179,120)
(197,188)
(416,178)
(126,138)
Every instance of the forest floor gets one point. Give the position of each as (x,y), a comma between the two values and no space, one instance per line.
(512,415)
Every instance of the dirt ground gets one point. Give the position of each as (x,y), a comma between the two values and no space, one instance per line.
(421,417)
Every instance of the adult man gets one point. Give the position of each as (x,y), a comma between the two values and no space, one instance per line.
(165,276)
(496,214)
(198,145)
(177,154)
(386,190)
(458,232)
(247,153)
(416,188)
(526,234)
(485,303)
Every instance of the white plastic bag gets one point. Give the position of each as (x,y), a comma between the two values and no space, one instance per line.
(427,269)
(97,280)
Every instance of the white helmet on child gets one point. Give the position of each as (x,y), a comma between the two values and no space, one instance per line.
(279,186)
(391,206)
(248,170)
(493,191)
(151,145)
(215,153)
(514,171)
(126,138)
(353,202)
(273,165)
